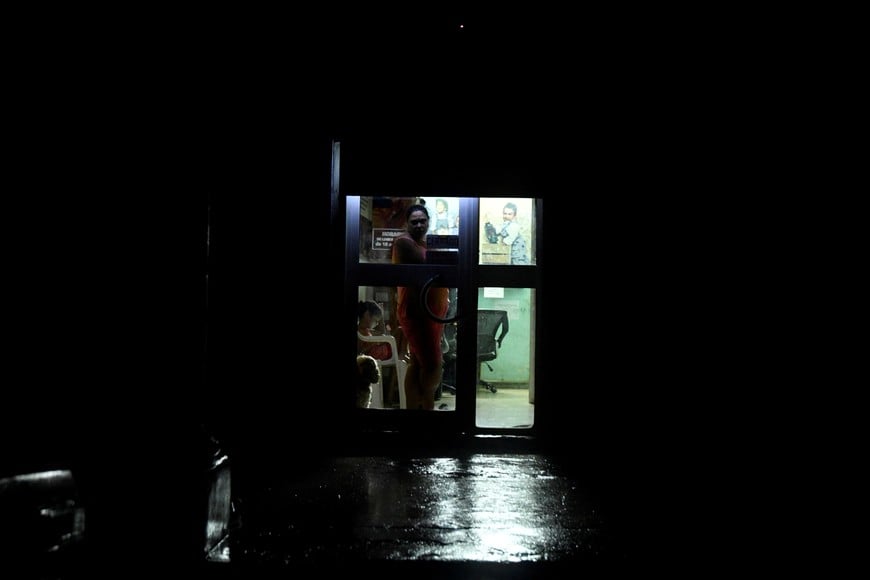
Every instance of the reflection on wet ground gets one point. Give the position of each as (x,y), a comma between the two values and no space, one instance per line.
(482,508)
(42,523)
(466,515)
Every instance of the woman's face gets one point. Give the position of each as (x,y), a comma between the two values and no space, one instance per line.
(418,224)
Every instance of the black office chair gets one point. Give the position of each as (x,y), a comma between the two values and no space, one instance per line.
(488,324)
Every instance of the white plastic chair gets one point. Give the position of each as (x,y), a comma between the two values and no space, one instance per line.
(396,362)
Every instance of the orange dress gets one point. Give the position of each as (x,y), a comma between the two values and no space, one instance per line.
(423,333)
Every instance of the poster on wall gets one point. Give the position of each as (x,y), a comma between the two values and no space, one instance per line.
(506,231)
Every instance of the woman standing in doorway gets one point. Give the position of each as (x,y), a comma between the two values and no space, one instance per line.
(421,331)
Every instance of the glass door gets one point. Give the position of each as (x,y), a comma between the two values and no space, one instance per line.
(468,298)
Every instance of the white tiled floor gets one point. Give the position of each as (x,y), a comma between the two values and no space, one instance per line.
(508,407)
(505,408)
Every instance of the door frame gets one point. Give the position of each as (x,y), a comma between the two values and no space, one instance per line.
(467,276)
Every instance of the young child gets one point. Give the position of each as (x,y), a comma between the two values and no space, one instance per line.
(369,316)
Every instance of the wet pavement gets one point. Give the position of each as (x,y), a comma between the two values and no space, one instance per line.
(477,515)
(489,508)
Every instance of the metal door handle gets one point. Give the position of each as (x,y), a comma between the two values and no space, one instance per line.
(424,302)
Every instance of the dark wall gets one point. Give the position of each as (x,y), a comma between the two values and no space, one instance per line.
(276,289)
(124,257)
(277,270)
(639,140)
(275,293)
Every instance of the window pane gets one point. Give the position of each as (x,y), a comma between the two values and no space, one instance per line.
(507,231)
(505,355)
(376,318)
(384,218)
(380,335)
